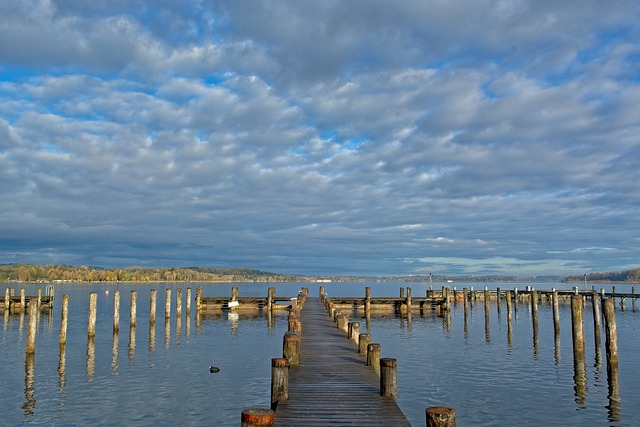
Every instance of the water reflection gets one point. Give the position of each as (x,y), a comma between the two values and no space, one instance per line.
(614,396)
(91,358)
(167,333)
(580,382)
(132,343)
(62,365)
(152,337)
(29,381)
(114,351)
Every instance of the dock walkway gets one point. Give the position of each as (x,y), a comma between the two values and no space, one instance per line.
(332,384)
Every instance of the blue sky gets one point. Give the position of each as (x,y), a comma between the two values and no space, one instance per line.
(333,137)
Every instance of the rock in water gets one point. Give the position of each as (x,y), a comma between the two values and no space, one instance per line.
(213,369)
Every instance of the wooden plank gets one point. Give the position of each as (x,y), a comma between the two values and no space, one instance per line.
(332,384)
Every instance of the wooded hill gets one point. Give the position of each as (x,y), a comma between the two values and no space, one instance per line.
(629,276)
(64,273)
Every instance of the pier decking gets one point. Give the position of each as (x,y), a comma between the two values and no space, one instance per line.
(332,384)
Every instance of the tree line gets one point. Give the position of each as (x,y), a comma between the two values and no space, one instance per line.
(42,273)
(630,276)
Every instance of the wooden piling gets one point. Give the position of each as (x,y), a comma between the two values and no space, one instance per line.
(133,309)
(611,334)
(93,302)
(32,327)
(257,417)
(367,301)
(7,296)
(179,302)
(234,294)
(291,348)
(577,327)
(63,319)
(188,299)
(373,356)
(279,381)
(595,305)
(534,316)
(441,416)
(116,311)
(22,300)
(363,342)
(353,331)
(388,377)
(198,298)
(152,306)
(556,313)
(408,300)
(167,304)
(343,322)
(270,295)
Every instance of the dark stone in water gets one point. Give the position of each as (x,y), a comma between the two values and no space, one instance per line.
(213,369)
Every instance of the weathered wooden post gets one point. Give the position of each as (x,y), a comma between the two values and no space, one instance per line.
(32,327)
(367,301)
(188,301)
(486,314)
(152,306)
(408,300)
(343,322)
(63,319)
(595,305)
(39,300)
(279,381)
(270,295)
(465,305)
(373,356)
(22,300)
(294,324)
(179,302)
(556,313)
(167,304)
(257,417)
(93,302)
(611,342)
(198,298)
(234,294)
(388,377)
(534,316)
(441,416)
(291,348)
(116,311)
(363,342)
(354,331)
(133,309)
(577,327)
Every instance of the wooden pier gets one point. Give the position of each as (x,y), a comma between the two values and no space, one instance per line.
(332,384)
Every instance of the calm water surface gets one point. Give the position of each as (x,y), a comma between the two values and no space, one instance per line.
(160,376)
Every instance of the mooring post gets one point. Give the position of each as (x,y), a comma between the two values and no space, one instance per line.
(577,327)
(291,348)
(116,311)
(234,294)
(595,305)
(188,301)
(388,377)
(32,327)
(133,309)
(408,301)
(93,302)
(441,416)
(556,313)
(294,324)
(611,341)
(534,314)
(7,304)
(257,417)
(373,356)
(152,307)
(22,300)
(363,342)
(279,381)
(179,302)
(354,331)
(167,304)
(63,319)
(198,298)
(367,301)
(343,322)
(270,295)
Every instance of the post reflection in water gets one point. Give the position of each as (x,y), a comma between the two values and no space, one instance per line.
(29,389)
(114,351)
(178,329)
(152,337)
(62,364)
(613,396)
(580,382)
(132,342)
(91,358)
(167,333)
(556,348)
(487,329)
(187,325)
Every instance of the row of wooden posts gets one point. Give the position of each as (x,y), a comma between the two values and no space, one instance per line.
(386,368)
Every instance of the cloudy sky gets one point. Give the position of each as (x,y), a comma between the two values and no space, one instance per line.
(322,137)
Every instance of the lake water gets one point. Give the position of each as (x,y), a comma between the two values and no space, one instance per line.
(161,376)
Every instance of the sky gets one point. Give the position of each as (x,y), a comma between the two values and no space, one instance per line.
(359,137)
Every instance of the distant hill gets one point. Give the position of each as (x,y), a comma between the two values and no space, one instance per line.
(42,273)
(629,276)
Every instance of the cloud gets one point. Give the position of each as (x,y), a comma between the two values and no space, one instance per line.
(321,137)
